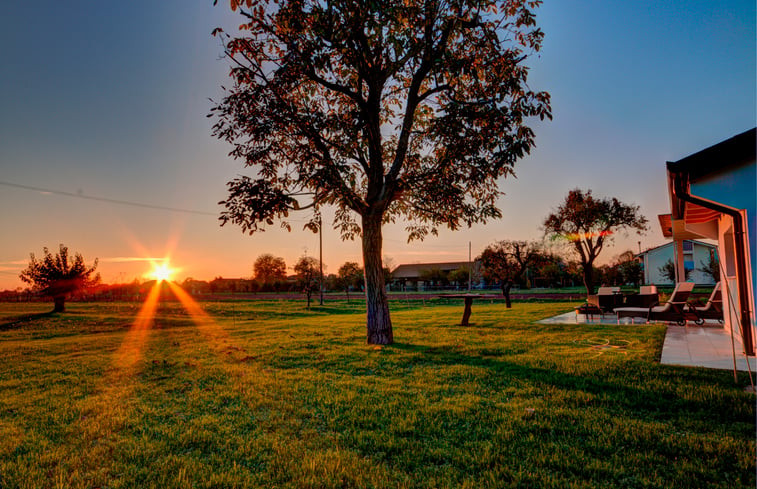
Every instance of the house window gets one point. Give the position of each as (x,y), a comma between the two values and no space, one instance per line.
(688,246)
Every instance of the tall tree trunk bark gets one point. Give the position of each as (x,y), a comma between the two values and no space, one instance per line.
(588,274)
(506,285)
(59,303)
(378,322)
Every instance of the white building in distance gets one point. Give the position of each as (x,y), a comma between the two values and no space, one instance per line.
(695,255)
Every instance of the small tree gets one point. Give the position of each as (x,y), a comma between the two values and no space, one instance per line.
(55,276)
(712,267)
(507,262)
(350,275)
(269,268)
(551,269)
(588,224)
(668,270)
(434,276)
(459,277)
(308,275)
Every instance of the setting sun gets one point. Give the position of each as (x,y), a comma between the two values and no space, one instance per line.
(162,272)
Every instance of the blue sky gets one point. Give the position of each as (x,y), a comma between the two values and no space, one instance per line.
(110,100)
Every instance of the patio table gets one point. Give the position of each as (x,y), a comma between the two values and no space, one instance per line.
(468,303)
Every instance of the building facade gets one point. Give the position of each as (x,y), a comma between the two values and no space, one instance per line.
(713,195)
(696,256)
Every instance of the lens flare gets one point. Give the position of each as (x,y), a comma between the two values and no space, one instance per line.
(162,272)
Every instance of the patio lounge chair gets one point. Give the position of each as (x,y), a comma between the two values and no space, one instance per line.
(606,298)
(676,309)
(713,309)
(646,297)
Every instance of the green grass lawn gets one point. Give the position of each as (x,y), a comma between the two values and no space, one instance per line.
(268,394)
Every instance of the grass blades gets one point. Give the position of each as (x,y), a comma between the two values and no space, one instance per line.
(269,394)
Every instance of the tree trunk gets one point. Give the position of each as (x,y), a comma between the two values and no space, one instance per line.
(378,322)
(506,285)
(588,274)
(59,301)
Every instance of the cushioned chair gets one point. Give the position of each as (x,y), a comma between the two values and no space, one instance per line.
(646,297)
(713,309)
(606,298)
(676,309)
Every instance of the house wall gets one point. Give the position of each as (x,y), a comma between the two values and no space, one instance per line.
(735,188)
(656,258)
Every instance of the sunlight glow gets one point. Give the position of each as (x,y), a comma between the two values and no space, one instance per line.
(162,272)
(206,325)
(132,348)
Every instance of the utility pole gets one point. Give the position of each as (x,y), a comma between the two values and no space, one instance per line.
(470,268)
(320,252)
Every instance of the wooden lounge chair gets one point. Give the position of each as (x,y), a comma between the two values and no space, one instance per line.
(676,309)
(713,309)
(606,298)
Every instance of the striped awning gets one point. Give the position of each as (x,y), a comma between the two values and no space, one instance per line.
(696,214)
(666,224)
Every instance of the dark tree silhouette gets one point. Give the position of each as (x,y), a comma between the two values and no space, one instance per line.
(507,262)
(588,224)
(57,276)
(308,275)
(668,270)
(385,110)
(350,275)
(712,267)
(629,268)
(269,268)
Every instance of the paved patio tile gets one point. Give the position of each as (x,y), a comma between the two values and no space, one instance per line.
(693,346)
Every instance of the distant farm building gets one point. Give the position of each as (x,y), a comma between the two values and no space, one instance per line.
(429,276)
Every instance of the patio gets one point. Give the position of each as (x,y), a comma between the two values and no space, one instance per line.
(707,346)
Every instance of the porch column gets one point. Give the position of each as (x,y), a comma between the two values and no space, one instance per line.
(680,270)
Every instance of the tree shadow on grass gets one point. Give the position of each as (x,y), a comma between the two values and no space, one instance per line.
(638,390)
(16,321)
(623,386)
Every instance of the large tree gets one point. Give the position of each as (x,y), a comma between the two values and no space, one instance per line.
(507,262)
(399,110)
(589,223)
(57,275)
(269,268)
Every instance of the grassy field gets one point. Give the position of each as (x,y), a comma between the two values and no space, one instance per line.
(268,394)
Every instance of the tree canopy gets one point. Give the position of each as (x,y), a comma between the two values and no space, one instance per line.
(57,275)
(269,268)
(350,275)
(507,261)
(385,110)
(668,270)
(308,274)
(587,224)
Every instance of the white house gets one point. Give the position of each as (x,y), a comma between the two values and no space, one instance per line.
(695,254)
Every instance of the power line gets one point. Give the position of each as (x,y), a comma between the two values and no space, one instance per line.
(105,199)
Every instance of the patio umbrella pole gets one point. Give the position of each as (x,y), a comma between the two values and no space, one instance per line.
(733,344)
(732,308)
